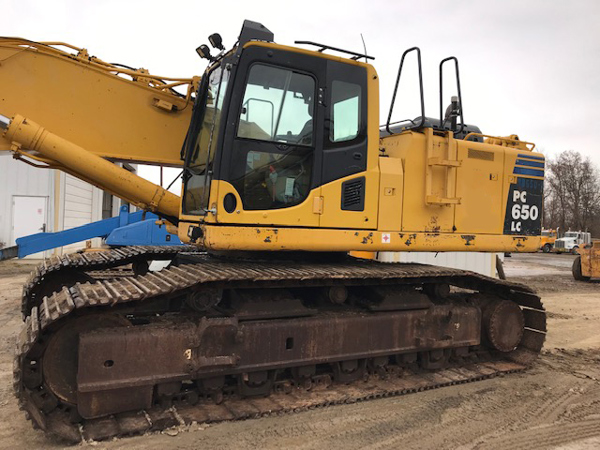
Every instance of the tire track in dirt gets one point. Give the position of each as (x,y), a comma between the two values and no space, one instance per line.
(546,414)
(548,436)
(526,415)
(452,417)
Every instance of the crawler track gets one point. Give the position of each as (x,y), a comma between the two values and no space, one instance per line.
(64,269)
(286,395)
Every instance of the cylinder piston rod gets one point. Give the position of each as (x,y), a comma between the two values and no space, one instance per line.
(91,168)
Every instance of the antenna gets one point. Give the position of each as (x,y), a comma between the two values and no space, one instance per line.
(364,46)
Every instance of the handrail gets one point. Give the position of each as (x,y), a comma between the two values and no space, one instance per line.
(323,47)
(462,119)
(387,125)
(500,138)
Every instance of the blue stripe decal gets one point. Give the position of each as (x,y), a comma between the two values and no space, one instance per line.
(532,172)
(524,162)
(539,158)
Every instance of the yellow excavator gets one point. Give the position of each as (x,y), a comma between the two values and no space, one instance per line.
(285,170)
(587,263)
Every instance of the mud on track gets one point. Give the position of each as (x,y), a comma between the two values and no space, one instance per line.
(555,404)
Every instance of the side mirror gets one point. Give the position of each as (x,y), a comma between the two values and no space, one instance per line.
(204,52)
(216,41)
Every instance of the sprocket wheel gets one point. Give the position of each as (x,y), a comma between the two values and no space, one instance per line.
(504,325)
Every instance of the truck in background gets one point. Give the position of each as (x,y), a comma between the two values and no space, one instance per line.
(548,238)
(571,242)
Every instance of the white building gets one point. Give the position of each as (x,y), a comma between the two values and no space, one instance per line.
(33,200)
(480,262)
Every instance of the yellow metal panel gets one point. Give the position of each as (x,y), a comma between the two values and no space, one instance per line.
(480,186)
(301,215)
(391,191)
(307,239)
(595,260)
(106,114)
(421,180)
(334,217)
(590,260)
(363,255)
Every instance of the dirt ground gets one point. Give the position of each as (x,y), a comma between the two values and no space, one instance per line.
(556,404)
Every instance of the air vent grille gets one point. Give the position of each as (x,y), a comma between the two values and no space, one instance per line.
(353,195)
(481,154)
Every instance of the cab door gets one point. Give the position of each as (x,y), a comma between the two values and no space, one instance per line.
(350,178)
(272,149)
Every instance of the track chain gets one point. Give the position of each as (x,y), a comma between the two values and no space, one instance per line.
(47,413)
(292,400)
(63,266)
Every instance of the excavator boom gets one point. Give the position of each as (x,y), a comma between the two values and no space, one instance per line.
(93,112)
(110,110)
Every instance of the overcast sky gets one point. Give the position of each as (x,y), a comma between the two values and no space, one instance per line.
(527,67)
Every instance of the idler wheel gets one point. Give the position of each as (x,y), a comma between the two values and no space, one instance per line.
(203,299)
(61,358)
(504,324)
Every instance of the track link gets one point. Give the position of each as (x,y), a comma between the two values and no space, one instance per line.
(292,400)
(49,414)
(60,270)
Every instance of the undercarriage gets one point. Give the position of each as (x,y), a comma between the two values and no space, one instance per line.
(211,339)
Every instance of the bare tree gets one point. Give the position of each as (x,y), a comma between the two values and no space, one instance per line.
(572,193)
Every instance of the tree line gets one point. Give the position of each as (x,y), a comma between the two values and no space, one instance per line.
(572,193)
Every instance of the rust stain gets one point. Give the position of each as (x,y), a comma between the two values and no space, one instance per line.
(468,238)
(520,241)
(367,239)
(268,239)
(433,228)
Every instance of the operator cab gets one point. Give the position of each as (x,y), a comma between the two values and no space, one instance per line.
(274,123)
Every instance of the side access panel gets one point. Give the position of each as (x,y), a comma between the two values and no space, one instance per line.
(479,186)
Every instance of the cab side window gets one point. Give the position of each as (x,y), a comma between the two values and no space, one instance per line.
(345,111)
(345,142)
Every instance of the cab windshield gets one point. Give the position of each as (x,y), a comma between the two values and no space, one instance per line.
(278,106)
(200,157)
(274,145)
